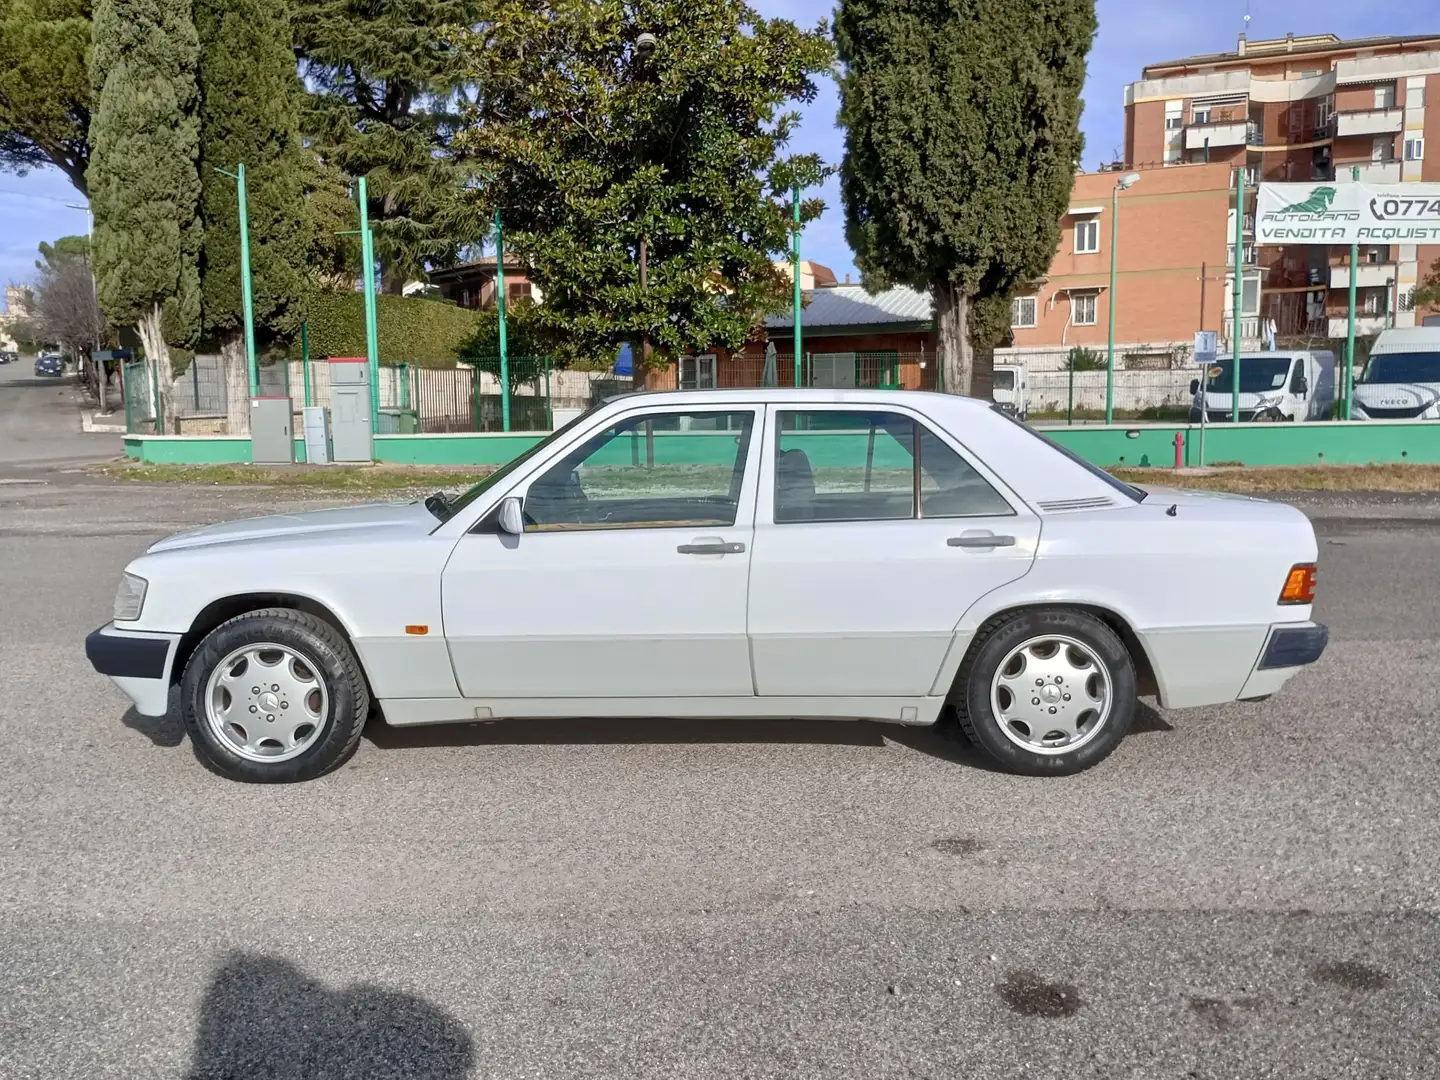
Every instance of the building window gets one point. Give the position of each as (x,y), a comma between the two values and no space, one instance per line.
(1174,123)
(516,291)
(1372,303)
(1087,237)
(1022,312)
(1415,97)
(1414,149)
(1385,96)
(1200,114)
(1083,309)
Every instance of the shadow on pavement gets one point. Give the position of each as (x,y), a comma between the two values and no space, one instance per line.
(264,1019)
(167,730)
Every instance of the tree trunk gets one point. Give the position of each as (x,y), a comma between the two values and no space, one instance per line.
(952,325)
(237,384)
(102,402)
(157,360)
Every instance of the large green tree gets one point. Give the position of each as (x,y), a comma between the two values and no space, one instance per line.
(962,138)
(144,185)
(250,99)
(385,90)
(45,92)
(595,143)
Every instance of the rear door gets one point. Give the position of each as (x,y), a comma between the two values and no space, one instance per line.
(863,563)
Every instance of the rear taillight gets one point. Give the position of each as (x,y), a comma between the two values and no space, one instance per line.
(1299,585)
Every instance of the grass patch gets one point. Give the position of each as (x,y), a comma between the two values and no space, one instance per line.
(1259,480)
(398,479)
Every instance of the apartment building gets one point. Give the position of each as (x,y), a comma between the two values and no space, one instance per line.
(1304,109)
(1171,229)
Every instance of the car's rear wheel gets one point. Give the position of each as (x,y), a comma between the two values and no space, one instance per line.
(274,696)
(1046,692)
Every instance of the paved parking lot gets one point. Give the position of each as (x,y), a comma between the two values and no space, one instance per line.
(1242,891)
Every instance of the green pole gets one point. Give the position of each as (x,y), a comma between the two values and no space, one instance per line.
(1350,330)
(500,307)
(1070,408)
(549,411)
(245,283)
(1110,329)
(155,398)
(305,359)
(372,345)
(405,386)
(795,273)
(1236,262)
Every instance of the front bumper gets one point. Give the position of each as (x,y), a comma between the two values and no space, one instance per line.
(138,662)
(1287,650)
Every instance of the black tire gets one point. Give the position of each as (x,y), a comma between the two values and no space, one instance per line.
(995,641)
(329,656)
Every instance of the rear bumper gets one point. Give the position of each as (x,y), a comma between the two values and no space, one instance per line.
(138,662)
(1287,650)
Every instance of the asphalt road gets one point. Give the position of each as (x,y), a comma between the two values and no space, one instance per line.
(1247,891)
(40,422)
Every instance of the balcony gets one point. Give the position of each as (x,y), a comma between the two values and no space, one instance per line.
(1220,133)
(1364,325)
(1249,330)
(1369,122)
(1370,69)
(1373,172)
(1369,276)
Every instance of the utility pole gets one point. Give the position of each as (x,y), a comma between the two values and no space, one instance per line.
(500,308)
(795,273)
(246,290)
(639,374)
(372,344)
(1350,332)
(1237,262)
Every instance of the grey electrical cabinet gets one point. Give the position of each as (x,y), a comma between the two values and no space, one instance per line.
(272,431)
(351,438)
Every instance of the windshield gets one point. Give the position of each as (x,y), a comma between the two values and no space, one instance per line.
(454,506)
(1402,367)
(1258,375)
(1004,380)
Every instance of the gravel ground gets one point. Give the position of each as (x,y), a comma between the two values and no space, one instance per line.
(1247,891)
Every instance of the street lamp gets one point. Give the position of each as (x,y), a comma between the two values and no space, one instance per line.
(1125,182)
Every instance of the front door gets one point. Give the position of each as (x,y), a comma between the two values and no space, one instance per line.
(874,535)
(630,578)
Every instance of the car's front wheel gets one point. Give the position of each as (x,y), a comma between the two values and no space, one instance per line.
(274,696)
(1047,692)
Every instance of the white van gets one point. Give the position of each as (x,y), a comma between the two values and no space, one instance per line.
(1401,380)
(1009,390)
(1274,386)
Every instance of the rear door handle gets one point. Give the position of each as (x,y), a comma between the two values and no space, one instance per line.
(980,540)
(711,547)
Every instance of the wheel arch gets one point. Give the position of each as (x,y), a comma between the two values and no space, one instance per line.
(1145,680)
(225,608)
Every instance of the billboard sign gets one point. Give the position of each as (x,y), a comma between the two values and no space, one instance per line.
(1347,213)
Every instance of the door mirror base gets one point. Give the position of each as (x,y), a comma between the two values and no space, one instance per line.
(510,518)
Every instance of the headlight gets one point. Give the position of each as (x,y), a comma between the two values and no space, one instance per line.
(130,598)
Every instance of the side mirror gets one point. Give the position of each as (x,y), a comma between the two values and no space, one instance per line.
(1194,386)
(510,518)
(1302,385)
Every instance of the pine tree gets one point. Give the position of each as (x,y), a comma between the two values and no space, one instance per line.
(250,99)
(962,140)
(144,185)
(45,93)
(385,89)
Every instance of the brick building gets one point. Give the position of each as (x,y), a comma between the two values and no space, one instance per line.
(1303,109)
(1171,261)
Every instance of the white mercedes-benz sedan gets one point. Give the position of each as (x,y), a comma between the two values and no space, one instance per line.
(906,557)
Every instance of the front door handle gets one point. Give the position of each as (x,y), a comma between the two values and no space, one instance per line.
(980,540)
(711,547)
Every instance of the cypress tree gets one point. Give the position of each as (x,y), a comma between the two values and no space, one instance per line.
(962,138)
(144,186)
(250,98)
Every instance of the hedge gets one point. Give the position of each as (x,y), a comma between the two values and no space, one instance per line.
(426,332)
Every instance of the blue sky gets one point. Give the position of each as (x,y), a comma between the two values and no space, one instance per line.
(1132,34)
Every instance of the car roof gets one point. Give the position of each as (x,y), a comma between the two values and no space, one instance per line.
(781,395)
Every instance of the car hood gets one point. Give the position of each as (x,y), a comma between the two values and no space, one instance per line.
(410,517)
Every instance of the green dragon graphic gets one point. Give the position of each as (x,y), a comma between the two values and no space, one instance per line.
(1318,202)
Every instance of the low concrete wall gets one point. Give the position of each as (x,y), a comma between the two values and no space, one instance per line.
(1136,445)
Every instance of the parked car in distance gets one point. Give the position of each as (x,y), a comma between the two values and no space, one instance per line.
(1010,390)
(50,365)
(1274,386)
(762,553)
(1401,380)
(8,356)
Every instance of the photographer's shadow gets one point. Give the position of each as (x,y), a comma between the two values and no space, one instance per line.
(264,1019)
